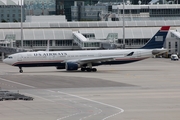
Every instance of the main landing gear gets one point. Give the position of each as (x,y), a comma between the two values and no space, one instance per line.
(20,70)
(89,68)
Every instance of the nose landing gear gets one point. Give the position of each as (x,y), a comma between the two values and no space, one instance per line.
(20,70)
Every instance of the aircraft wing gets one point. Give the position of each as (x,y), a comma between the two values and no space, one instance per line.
(99,59)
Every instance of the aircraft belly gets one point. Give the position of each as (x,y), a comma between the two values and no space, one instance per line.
(38,64)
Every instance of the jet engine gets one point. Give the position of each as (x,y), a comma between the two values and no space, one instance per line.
(71,66)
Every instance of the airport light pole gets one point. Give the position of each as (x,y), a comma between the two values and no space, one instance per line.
(123,28)
(21,25)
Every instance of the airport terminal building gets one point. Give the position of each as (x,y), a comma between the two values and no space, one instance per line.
(88,35)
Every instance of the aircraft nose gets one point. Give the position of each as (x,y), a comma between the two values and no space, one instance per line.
(6,61)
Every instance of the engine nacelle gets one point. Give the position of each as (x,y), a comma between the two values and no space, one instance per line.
(71,66)
(60,67)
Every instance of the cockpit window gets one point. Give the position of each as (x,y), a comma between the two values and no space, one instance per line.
(10,57)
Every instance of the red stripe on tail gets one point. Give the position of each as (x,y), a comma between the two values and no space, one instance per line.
(165,28)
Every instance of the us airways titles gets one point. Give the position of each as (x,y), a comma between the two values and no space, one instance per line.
(50,54)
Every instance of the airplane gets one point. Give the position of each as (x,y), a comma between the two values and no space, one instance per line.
(86,59)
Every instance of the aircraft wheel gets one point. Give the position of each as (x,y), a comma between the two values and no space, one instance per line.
(83,69)
(94,69)
(88,69)
(21,71)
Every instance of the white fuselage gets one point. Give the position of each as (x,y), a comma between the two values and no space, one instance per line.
(29,58)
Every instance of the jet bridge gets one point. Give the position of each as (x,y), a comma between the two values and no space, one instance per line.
(85,43)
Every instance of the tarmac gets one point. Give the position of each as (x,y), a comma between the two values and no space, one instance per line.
(145,90)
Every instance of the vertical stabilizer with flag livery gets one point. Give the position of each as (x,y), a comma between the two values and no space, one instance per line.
(158,39)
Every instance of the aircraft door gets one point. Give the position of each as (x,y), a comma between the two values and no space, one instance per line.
(138,53)
(19,57)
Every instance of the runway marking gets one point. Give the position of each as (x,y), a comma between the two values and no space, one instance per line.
(121,110)
(70,115)
(91,114)
(16,83)
(77,112)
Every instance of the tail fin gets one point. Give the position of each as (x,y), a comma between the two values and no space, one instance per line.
(158,39)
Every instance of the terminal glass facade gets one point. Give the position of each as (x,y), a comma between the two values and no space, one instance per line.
(173,12)
(63,43)
(89,35)
(133,42)
(31,43)
(91,44)
(11,13)
(87,13)
(35,43)
(40,7)
(63,7)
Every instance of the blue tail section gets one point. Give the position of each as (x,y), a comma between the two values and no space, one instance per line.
(157,41)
